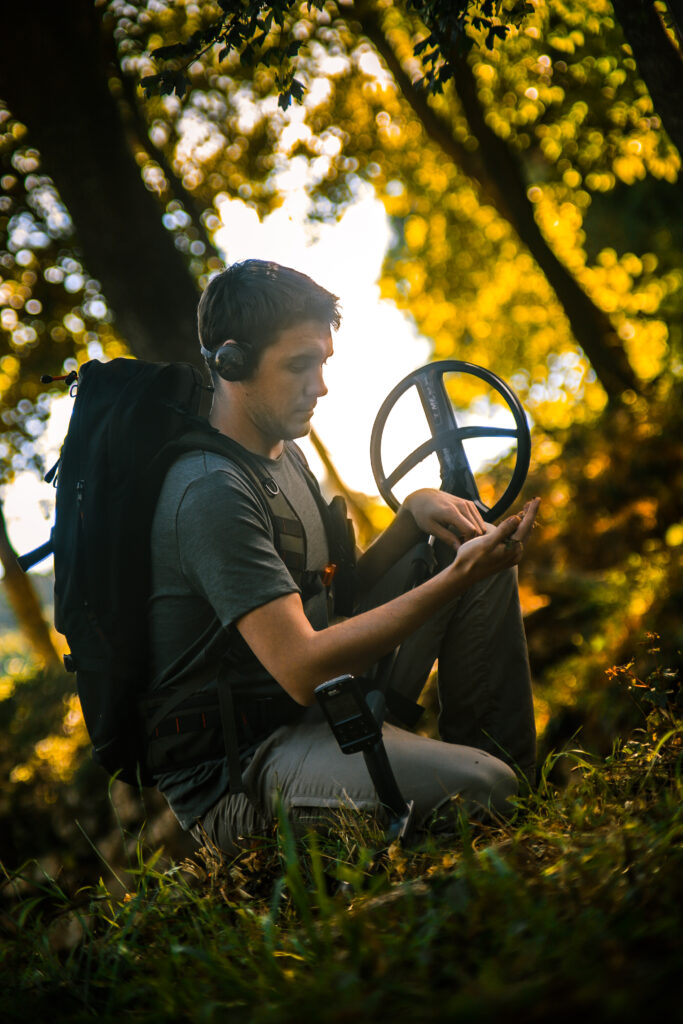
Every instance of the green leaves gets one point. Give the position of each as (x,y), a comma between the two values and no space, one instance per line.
(164,84)
(258,33)
(261,34)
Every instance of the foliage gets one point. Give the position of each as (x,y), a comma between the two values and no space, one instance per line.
(561,90)
(270,35)
(572,906)
(564,94)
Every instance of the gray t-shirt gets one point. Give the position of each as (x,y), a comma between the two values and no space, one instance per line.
(213,561)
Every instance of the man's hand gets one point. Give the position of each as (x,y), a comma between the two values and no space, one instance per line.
(445,516)
(497,549)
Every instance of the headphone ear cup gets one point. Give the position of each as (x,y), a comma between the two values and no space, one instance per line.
(231,361)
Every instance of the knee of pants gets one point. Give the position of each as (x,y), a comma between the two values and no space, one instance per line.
(491,787)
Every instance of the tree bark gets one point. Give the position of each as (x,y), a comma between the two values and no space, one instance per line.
(658,60)
(24,601)
(62,94)
(499,176)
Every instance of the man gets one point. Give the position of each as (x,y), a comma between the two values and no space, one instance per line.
(222,594)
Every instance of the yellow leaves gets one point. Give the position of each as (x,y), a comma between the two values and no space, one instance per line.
(629,169)
(674,535)
(547,450)
(9,370)
(485,73)
(10,365)
(530,600)
(562,44)
(58,754)
(551,148)
(647,348)
(596,466)
(638,605)
(416,232)
(7,685)
(594,399)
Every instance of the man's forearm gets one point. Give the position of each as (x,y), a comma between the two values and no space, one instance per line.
(357,643)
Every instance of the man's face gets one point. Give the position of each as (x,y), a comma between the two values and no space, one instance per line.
(280,396)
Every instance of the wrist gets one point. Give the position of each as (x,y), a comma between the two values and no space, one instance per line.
(407,513)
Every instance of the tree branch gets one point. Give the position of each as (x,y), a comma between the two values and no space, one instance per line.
(499,176)
(658,60)
(24,601)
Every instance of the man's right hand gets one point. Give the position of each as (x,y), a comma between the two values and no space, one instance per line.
(496,550)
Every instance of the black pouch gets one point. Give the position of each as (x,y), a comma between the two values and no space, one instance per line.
(342,541)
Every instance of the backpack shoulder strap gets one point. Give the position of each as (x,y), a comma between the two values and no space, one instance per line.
(290,537)
(341,539)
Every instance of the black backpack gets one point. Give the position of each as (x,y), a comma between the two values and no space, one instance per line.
(131,419)
(109,476)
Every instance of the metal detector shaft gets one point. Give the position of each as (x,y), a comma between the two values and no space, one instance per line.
(385,783)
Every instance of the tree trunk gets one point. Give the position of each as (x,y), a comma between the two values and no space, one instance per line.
(498,173)
(658,60)
(24,601)
(590,325)
(62,93)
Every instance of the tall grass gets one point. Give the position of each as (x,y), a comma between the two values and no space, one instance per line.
(571,907)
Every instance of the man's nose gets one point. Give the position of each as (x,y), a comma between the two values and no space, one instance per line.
(317,385)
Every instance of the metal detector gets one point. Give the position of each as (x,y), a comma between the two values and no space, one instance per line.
(355,717)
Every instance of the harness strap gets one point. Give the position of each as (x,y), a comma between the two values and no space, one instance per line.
(229,724)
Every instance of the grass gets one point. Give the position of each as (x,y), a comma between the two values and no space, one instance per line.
(572,907)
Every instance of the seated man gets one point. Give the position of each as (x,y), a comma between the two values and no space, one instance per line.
(224,603)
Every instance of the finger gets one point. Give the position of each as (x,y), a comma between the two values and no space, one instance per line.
(450,535)
(507,528)
(478,518)
(466,527)
(498,536)
(470,514)
(455,520)
(527,522)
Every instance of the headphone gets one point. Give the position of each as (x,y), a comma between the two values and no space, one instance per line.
(230,360)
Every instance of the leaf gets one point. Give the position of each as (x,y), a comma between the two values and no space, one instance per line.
(150,85)
(297,90)
(519,12)
(499,31)
(169,52)
(164,84)
(421,46)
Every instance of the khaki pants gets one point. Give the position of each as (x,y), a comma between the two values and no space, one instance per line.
(486,725)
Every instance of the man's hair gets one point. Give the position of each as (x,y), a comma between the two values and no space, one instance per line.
(252,301)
